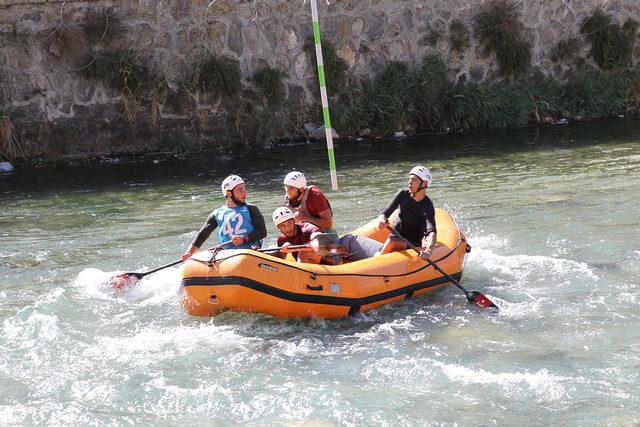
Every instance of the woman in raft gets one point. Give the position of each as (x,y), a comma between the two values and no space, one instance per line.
(417,216)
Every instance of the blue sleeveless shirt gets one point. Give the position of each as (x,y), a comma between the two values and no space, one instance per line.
(233,221)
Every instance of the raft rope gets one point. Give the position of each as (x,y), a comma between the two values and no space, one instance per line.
(316,274)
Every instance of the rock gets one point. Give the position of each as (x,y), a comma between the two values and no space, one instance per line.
(364,132)
(320,134)
(310,127)
(6,167)
(399,135)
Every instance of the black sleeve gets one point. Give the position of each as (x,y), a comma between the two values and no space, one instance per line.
(206,230)
(257,220)
(430,217)
(393,205)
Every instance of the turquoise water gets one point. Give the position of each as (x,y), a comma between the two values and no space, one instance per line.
(552,216)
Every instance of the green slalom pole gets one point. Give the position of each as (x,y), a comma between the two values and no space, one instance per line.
(323,95)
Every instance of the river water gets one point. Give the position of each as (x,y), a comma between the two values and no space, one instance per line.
(551,214)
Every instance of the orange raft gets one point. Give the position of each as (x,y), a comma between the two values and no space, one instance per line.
(248,281)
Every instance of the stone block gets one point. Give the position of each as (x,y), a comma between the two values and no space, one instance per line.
(375,27)
(283,63)
(219,8)
(300,65)
(296,95)
(357,26)
(163,40)
(235,42)
(290,38)
(216,35)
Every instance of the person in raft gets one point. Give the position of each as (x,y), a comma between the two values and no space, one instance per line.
(307,203)
(349,247)
(237,221)
(417,217)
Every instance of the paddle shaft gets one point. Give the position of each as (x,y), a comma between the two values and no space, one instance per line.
(290,247)
(395,232)
(141,275)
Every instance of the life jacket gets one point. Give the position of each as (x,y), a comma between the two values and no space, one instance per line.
(236,220)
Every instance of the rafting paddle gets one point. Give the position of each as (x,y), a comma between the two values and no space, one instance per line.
(474,297)
(127,279)
(321,244)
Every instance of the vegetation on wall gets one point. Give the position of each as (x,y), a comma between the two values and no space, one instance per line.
(335,68)
(269,84)
(219,75)
(498,28)
(423,99)
(102,27)
(458,36)
(611,47)
(565,51)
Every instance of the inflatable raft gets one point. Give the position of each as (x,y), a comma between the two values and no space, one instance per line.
(248,281)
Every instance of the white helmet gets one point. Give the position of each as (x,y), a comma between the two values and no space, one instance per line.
(295,179)
(422,173)
(281,215)
(230,183)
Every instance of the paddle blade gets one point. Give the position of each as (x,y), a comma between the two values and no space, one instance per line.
(480,299)
(122,281)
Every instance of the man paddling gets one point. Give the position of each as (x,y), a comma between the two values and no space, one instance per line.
(237,221)
(417,217)
(307,202)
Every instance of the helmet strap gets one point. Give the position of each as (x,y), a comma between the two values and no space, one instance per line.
(420,187)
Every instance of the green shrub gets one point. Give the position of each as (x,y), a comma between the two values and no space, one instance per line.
(102,28)
(458,36)
(431,36)
(497,27)
(177,142)
(177,99)
(120,70)
(431,85)
(261,127)
(269,84)
(565,50)
(219,75)
(334,67)
(61,140)
(610,46)
(595,95)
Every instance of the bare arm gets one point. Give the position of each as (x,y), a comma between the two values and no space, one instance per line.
(324,219)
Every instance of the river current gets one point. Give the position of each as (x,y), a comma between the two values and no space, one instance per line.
(551,214)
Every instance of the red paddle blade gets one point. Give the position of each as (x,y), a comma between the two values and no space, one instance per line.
(122,281)
(479,299)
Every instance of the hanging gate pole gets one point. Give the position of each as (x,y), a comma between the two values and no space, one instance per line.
(323,95)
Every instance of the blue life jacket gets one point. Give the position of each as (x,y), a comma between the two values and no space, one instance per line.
(234,221)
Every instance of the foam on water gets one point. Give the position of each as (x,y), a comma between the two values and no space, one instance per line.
(545,385)
(523,267)
(152,290)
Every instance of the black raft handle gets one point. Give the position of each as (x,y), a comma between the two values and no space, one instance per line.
(314,288)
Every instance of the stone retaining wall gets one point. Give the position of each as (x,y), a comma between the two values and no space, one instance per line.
(42,87)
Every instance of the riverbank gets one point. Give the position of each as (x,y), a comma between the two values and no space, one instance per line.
(88,80)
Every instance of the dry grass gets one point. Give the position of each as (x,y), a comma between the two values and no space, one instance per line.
(9,146)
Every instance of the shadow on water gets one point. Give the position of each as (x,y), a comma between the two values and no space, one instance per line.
(207,168)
